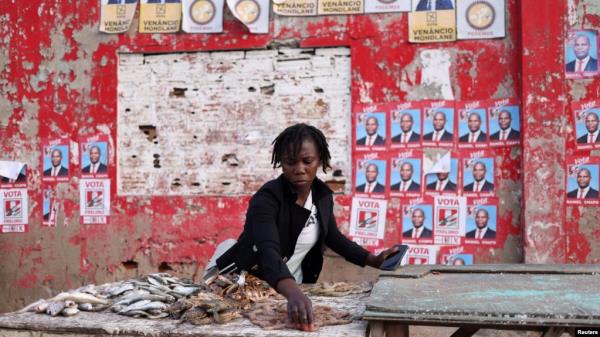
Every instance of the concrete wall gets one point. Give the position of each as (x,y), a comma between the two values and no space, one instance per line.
(59,77)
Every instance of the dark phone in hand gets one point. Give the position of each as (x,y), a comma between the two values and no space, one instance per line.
(393,261)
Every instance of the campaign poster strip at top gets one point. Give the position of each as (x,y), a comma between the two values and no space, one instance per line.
(405,125)
(472,125)
(417,221)
(14,210)
(94,156)
(482,222)
(478,173)
(202,16)
(405,173)
(439,124)
(585,115)
(582,181)
(160,16)
(370,128)
(13,174)
(116,15)
(449,219)
(367,219)
(504,118)
(581,53)
(432,21)
(254,14)
(55,160)
(94,200)
(480,19)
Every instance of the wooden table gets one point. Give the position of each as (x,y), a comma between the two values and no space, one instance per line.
(109,324)
(550,298)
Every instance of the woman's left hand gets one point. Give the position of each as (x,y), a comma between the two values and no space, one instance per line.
(375,261)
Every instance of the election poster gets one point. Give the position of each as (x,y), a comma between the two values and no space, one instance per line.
(94,156)
(94,200)
(438,124)
(370,129)
(387,6)
(582,181)
(449,219)
(421,254)
(160,16)
(13,174)
(472,125)
(367,219)
(202,16)
(370,176)
(504,122)
(406,125)
(55,160)
(456,255)
(375,246)
(581,54)
(254,14)
(480,19)
(341,7)
(478,173)
(116,15)
(295,7)
(482,222)
(405,173)
(441,173)
(417,221)
(585,115)
(14,210)
(432,21)
(49,206)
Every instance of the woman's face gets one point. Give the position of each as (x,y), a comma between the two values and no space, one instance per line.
(301,170)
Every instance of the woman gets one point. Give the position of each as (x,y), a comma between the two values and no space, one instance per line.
(290,221)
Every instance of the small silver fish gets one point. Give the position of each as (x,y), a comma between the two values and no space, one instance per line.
(145,305)
(186,291)
(85,306)
(79,298)
(41,308)
(32,306)
(70,311)
(54,308)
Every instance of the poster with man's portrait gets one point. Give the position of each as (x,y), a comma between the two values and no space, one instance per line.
(478,175)
(504,122)
(441,179)
(55,159)
(406,126)
(581,54)
(417,223)
(438,124)
(94,157)
(582,181)
(370,177)
(587,133)
(370,131)
(481,223)
(472,125)
(405,174)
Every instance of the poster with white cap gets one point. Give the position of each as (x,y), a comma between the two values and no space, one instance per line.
(202,16)
(480,19)
(252,13)
(440,173)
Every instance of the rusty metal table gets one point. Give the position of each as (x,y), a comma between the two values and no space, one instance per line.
(550,298)
(109,324)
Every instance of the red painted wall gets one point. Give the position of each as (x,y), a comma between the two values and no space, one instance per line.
(58,77)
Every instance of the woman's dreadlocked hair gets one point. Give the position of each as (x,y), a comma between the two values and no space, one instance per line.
(289,142)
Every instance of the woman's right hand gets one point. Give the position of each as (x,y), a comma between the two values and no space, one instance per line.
(299,306)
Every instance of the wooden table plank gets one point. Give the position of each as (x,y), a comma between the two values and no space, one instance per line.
(108,324)
(500,295)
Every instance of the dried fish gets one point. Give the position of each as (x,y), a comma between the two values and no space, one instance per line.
(79,298)
(54,308)
(33,306)
(144,305)
(85,306)
(70,311)
(186,291)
